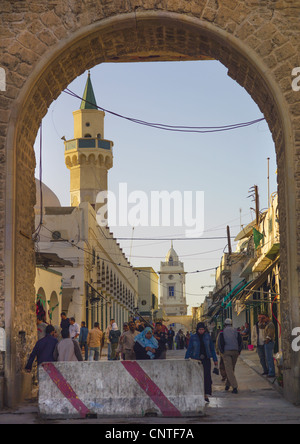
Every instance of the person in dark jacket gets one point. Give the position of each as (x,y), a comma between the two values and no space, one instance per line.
(171,334)
(114,336)
(162,338)
(84,331)
(230,344)
(65,322)
(43,349)
(201,347)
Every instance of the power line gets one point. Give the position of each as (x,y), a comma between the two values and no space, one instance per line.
(174,238)
(165,127)
(119,264)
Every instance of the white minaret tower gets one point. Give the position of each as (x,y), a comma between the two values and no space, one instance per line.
(172,285)
(88,156)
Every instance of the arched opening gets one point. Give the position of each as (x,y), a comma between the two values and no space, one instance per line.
(154,36)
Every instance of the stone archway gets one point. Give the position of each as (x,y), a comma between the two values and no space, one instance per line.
(55,42)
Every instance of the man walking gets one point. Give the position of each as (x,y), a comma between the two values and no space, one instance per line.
(230,345)
(65,322)
(126,342)
(114,337)
(67,349)
(94,342)
(201,347)
(74,329)
(269,345)
(43,349)
(41,327)
(258,340)
(84,331)
(109,327)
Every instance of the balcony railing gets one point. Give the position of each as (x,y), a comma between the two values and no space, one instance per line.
(172,264)
(88,143)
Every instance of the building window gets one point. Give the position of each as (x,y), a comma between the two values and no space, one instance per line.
(171,291)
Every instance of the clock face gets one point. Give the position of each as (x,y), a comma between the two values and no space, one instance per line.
(171,277)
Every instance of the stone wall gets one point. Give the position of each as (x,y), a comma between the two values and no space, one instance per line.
(45,44)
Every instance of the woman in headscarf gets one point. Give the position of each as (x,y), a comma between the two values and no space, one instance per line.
(114,336)
(146,345)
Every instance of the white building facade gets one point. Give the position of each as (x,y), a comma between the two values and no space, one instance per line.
(172,285)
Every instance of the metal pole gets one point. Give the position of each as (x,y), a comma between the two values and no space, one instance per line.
(256,205)
(229,240)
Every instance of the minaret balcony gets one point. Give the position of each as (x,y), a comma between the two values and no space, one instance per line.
(89,142)
(172,264)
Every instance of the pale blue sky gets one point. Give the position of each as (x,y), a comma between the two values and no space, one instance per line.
(222,165)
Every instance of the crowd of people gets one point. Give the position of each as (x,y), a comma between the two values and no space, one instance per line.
(142,341)
(72,342)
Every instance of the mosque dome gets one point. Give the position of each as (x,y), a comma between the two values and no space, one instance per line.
(49,197)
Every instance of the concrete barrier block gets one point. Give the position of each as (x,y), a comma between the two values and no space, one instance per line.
(121,389)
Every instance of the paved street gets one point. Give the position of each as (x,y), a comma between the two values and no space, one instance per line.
(257,402)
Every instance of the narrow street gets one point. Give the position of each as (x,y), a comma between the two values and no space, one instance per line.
(258,402)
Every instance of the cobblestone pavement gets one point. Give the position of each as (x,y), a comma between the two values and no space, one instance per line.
(257,402)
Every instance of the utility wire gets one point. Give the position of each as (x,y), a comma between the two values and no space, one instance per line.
(174,238)
(121,265)
(178,128)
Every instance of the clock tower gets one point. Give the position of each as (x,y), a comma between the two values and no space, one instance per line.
(172,285)
(88,155)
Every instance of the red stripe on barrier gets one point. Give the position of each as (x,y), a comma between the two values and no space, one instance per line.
(152,390)
(65,388)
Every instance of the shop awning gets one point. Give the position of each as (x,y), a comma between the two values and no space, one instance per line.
(220,303)
(274,250)
(217,297)
(236,295)
(246,232)
(217,293)
(233,292)
(256,283)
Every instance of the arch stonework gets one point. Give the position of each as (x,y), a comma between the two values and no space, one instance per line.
(46,44)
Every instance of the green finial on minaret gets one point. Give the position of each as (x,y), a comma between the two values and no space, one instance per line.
(88,100)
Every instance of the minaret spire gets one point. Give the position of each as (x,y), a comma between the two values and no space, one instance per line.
(88,99)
